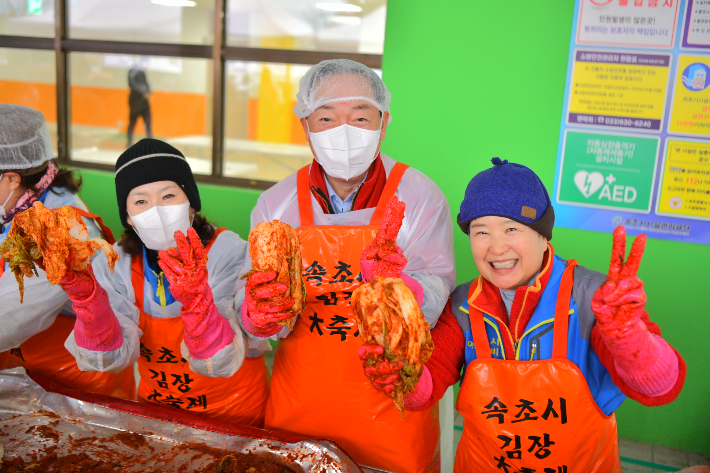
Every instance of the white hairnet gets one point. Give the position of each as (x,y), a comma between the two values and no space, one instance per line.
(340,80)
(24,138)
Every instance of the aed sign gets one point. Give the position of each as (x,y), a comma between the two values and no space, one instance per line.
(608,171)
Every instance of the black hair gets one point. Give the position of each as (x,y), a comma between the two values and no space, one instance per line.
(65,178)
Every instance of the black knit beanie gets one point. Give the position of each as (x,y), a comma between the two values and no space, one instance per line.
(149,161)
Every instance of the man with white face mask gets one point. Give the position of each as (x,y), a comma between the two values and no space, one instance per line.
(169,303)
(335,204)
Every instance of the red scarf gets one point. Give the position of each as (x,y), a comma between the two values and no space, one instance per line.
(367,195)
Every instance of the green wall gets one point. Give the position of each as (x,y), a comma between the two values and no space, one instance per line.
(473,80)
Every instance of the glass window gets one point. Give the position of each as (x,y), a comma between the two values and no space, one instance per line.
(27,18)
(315,25)
(151,21)
(28,77)
(119,98)
(264,140)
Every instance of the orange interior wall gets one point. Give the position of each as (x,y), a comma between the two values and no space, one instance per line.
(41,97)
(173,113)
(253,119)
(298,137)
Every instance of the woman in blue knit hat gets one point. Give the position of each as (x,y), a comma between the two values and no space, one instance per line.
(549,348)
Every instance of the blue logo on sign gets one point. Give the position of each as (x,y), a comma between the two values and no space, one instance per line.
(695,77)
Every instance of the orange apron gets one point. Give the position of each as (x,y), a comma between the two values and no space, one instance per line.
(44,353)
(318,386)
(533,416)
(166,377)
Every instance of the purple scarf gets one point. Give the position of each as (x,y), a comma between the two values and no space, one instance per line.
(33,194)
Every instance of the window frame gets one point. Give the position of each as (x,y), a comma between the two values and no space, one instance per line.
(218,52)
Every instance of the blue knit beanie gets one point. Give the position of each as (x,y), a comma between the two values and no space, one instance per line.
(508,190)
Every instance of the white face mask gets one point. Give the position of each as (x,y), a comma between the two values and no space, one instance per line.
(2,207)
(345,151)
(156,227)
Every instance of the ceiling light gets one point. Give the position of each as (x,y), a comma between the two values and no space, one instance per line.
(338,7)
(175,3)
(346,20)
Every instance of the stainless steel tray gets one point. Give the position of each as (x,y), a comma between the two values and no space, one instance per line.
(25,406)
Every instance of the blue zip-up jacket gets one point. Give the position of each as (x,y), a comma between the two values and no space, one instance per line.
(536,342)
(527,334)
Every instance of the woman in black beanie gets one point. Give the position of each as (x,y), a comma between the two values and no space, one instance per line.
(167,304)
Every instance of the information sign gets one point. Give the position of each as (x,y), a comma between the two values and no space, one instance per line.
(634,144)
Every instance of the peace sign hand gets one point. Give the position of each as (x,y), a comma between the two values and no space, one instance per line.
(185,266)
(621,298)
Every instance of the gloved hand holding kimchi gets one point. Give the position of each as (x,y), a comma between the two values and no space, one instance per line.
(58,242)
(396,338)
(274,293)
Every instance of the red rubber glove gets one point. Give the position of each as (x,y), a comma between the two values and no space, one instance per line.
(645,361)
(383,374)
(387,261)
(206,331)
(383,257)
(96,327)
(265,304)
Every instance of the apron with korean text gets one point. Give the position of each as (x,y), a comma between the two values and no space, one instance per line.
(166,378)
(44,354)
(318,386)
(533,416)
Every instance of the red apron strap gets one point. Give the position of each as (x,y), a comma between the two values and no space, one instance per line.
(478,330)
(2,267)
(108,234)
(303,188)
(391,186)
(564,296)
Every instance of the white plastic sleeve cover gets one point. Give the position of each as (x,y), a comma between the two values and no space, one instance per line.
(113,361)
(226,361)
